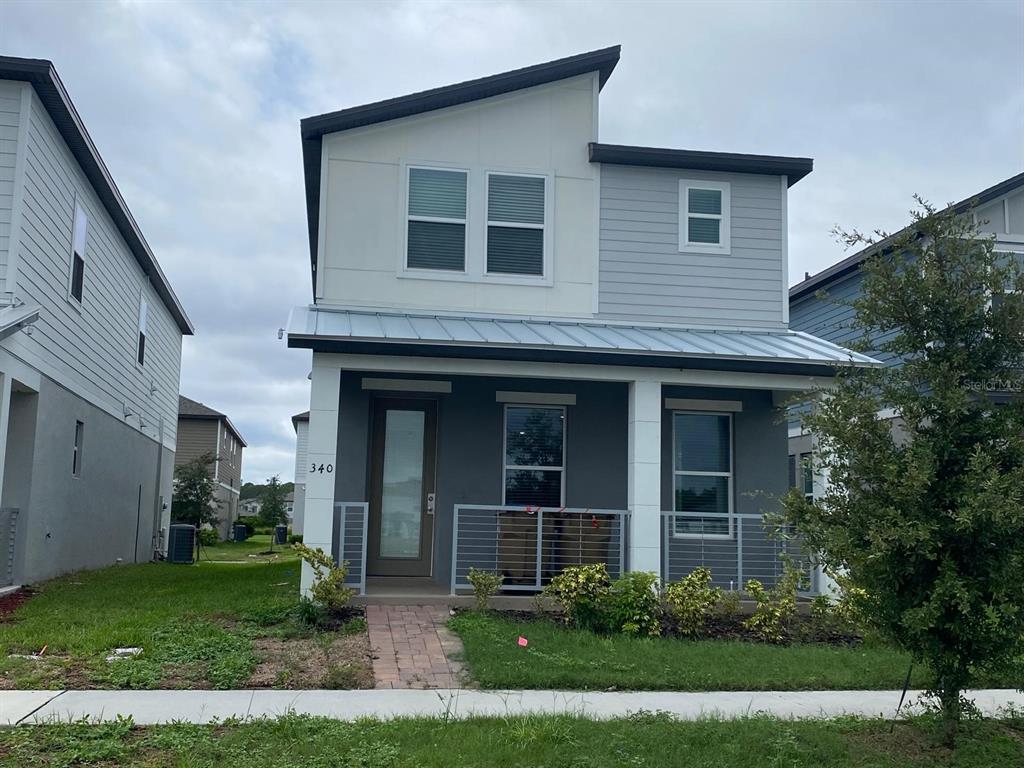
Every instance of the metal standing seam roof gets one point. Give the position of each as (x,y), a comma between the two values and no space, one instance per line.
(309,325)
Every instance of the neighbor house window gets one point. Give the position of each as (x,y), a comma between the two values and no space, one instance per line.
(76,459)
(515,224)
(534,471)
(801,474)
(702,473)
(436,226)
(81,224)
(704,216)
(143,311)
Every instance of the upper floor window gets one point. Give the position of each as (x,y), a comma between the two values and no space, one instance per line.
(704,216)
(436,225)
(81,224)
(143,311)
(76,456)
(515,224)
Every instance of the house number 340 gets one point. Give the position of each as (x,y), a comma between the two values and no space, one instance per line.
(321,468)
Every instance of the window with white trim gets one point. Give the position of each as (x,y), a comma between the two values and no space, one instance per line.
(702,473)
(78,236)
(76,458)
(534,456)
(515,224)
(801,474)
(436,219)
(704,218)
(143,312)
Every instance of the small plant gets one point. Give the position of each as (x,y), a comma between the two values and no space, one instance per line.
(692,600)
(485,585)
(728,603)
(583,593)
(208,537)
(310,613)
(635,605)
(775,607)
(295,538)
(328,589)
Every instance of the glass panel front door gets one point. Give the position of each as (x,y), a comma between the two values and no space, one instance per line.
(402,487)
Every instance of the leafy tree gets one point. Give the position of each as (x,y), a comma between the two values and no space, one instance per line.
(272,506)
(924,515)
(193,501)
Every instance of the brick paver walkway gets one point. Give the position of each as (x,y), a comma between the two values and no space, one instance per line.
(412,647)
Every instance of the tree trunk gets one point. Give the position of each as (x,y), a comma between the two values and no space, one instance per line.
(949,702)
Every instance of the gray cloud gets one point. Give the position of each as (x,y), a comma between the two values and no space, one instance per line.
(195,108)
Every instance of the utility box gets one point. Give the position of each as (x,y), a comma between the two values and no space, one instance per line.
(241,532)
(280,534)
(181,543)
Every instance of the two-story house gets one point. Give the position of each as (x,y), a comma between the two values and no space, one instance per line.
(203,431)
(532,349)
(90,348)
(819,304)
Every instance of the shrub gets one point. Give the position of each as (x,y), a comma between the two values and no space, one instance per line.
(485,585)
(295,538)
(208,537)
(692,599)
(328,589)
(583,593)
(249,521)
(728,603)
(635,606)
(775,607)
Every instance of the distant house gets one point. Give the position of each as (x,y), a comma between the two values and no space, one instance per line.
(300,422)
(289,505)
(90,347)
(250,507)
(202,430)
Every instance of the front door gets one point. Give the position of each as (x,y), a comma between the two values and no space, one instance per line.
(402,448)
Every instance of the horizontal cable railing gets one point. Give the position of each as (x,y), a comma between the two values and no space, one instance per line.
(8,537)
(351,520)
(527,546)
(736,548)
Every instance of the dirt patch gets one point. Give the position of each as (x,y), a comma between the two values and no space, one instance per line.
(9,603)
(324,660)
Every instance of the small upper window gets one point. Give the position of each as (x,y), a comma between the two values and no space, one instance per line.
(515,224)
(78,253)
(704,216)
(436,227)
(143,311)
(76,459)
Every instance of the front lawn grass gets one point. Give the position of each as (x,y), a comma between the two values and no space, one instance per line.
(643,740)
(561,658)
(255,549)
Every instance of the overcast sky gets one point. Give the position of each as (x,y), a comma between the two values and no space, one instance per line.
(195,109)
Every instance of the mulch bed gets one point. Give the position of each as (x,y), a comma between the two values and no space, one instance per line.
(9,603)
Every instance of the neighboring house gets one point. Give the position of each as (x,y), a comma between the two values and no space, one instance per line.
(532,349)
(90,348)
(250,507)
(204,431)
(300,422)
(999,210)
(289,505)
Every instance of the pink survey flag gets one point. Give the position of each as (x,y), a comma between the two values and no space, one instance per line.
(523,642)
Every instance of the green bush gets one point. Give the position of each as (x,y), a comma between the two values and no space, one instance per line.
(583,593)
(775,607)
(635,606)
(295,538)
(249,521)
(208,537)
(485,585)
(692,600)
(328,589)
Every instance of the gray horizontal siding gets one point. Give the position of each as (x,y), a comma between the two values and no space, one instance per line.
(644,277)
(10,109)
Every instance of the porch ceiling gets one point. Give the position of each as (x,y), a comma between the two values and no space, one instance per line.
(417,333)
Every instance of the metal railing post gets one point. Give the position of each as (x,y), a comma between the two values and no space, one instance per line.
(623,526)
(739,553)
(666,542)
(455,543)
(540,542)
(362,554)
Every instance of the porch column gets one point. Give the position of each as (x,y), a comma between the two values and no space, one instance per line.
(5,412)
(318,526)
(644,475)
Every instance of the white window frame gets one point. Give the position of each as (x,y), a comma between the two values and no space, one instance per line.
(505,467)
(544,276)
(78,209)
(78,449)
(724,246)
(731,475)
(439,274)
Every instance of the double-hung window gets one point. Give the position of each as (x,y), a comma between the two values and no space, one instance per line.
(702,473)
(436,219)
(78,233)
(534,463)
(515,224)
(704,219)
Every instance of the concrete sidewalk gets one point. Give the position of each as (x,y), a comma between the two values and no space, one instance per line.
(154,707)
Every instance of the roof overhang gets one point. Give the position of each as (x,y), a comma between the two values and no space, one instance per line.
(13,319)
(565,341)
(851,263)
(42,75)
(793,168)
(313,129)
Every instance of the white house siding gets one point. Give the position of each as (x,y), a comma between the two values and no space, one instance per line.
(90,350)
(1004,216)
(10,108)
(644,276)
(301,454)
(539,130)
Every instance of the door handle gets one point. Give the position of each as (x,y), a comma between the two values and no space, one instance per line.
(430,503)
